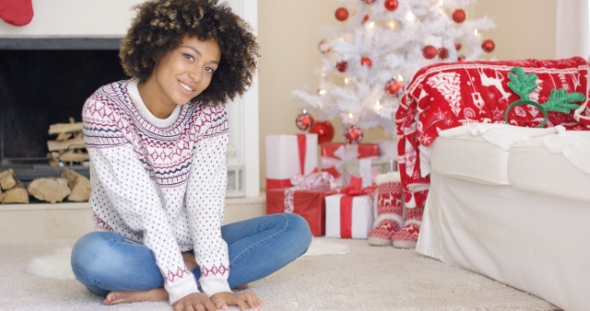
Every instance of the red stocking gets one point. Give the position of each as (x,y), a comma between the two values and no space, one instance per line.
(388,209)
(407,237)
(16,12)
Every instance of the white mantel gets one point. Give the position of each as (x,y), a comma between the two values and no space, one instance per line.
(111,19)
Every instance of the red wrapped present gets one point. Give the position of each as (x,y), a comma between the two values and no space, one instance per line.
(306,198)
(333,155)
(289,155)
(349,214)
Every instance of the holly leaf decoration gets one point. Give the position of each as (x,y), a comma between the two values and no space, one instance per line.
(559,99)
(521,83)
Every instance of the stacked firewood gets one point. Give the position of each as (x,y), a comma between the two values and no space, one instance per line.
(69,185)
(13,190)
(69,146)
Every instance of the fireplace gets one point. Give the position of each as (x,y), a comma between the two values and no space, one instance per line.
(42,82)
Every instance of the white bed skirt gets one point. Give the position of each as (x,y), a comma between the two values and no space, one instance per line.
(534,242)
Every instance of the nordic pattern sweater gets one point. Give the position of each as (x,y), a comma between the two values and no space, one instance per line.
(161,182)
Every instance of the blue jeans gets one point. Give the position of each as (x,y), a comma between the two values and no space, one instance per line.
(105,261)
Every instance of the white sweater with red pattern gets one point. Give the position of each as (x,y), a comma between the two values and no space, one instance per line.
(161,182)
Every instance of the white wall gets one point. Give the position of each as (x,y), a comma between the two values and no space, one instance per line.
(75,18)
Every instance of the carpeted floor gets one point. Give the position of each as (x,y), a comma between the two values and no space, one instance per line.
(367,278)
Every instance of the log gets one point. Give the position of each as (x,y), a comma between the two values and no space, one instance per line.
(49,189)
(78,184)
(71,156)
(65,128)
(8,179)
(15,195)
(74,143)
(63,136)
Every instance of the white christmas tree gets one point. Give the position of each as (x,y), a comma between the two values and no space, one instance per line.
(370,59)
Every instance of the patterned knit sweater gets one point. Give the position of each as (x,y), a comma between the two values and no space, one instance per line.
(161,182)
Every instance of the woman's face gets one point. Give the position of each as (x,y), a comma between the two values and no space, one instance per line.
(186,71)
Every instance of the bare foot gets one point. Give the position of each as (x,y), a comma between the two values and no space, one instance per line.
(242,287)
(189,260)
(157,294)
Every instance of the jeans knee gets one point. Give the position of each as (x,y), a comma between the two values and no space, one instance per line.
(86,259)
(301,231)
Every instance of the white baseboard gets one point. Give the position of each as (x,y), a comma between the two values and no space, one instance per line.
(26,222)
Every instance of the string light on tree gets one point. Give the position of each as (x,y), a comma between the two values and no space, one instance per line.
(341,14)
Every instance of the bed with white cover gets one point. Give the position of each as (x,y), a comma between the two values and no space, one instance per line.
(513,204)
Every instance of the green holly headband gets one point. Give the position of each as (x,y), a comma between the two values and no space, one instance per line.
(522,84)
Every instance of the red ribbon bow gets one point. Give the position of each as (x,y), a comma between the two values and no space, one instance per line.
(350,191)
(355,188)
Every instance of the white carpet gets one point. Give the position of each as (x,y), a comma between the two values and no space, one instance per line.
(367,278)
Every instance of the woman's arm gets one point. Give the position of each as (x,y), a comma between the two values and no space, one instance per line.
(205,202)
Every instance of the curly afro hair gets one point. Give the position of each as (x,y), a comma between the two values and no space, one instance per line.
(161,25)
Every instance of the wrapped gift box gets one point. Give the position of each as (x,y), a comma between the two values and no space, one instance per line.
(349,216)
(333,155)
(366,169)
(289,155)
(308,203)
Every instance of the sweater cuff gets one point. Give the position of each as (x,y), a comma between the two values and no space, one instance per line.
(214,285)
(180,288)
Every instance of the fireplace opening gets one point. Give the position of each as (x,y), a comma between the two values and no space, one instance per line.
(43,82)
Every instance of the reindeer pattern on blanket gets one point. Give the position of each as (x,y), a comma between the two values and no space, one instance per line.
(447,95)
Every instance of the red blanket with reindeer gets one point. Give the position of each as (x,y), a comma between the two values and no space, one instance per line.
(447,95)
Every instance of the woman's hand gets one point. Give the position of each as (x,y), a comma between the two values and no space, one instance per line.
(243,301)
(194,302)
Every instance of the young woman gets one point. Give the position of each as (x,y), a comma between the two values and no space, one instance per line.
(157,147)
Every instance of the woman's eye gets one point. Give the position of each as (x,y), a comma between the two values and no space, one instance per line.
(189,57)
(210,70)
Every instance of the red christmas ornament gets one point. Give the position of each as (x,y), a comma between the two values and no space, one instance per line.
(365,61)
(341,66)
(323,47)
(390,5)
(341,14)
(393,86)
(16,12)
(429,52)
(457,46)
(353,134)
(443,53)
(459,16)
(461,58)
(488,45)
(369,1)
(325,131)
(304,121)
(365,18)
